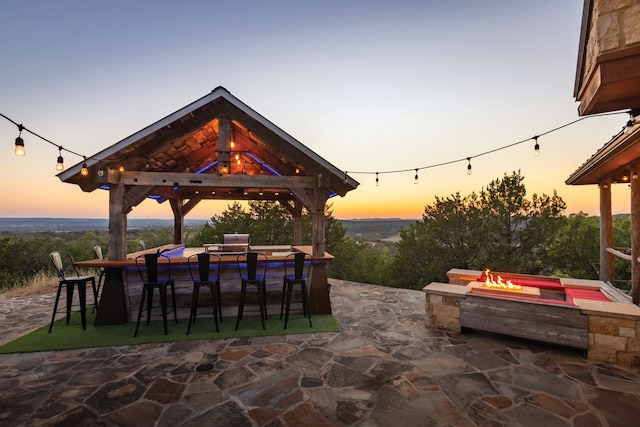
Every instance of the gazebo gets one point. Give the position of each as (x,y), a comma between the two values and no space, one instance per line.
(608,79)
(214,148)
(217,147)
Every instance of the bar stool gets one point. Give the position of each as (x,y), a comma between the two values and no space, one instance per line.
(151,282)
(63,263)
(252,267)
(199,268)
(301,269)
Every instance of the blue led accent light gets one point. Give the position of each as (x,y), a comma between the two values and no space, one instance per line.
(205,168)
(263,165)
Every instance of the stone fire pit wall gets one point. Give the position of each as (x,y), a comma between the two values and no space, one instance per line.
(613,327)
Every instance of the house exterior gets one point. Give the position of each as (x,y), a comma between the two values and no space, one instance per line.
(608,79)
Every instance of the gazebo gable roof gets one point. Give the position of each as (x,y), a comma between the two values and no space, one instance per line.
(187,142)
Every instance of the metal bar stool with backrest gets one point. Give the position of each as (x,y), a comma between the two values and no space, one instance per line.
(253,271)
(70,279)
(152,281)
(295,276)
(99,253)
(200,270)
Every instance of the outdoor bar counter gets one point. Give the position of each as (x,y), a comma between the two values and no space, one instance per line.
(117,301)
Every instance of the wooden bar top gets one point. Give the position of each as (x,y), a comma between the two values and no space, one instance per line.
(277,256)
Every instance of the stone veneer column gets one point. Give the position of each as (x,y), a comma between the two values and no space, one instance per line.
(442,306)
(614,332)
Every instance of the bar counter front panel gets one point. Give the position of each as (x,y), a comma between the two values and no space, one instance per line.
(122,287)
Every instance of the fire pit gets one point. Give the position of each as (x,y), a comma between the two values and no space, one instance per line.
(585,314)
(500,286)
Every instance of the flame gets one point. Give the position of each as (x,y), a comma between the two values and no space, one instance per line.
(500,283)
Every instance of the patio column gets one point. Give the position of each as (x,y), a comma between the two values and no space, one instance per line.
(117,222)
(178,221)
(317,217)
(635,237)
(224,145)
(297,222)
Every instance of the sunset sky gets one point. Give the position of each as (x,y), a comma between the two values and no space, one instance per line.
(371,86)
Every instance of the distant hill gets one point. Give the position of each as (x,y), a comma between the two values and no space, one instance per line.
(35,225)
(375,229)
(361,230)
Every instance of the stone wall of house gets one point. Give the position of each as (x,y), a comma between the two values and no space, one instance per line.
(613,27)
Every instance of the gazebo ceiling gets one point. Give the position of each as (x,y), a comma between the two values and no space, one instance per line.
(186,147)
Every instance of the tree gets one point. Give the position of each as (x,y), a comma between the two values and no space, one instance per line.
(622,239)
(450,235)
(233,219)
(498,229)
(518,231)
(271,223)
(575,250)
(268,223)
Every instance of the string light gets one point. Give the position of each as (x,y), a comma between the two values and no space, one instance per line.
(84,171)
(19,147)
(415,178)
(468,159)
(19,143)
(60,162)
(19,150)
(536,148)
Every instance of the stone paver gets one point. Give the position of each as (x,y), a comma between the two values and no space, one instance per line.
(383,369)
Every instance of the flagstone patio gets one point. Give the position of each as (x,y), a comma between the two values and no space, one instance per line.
(383,369)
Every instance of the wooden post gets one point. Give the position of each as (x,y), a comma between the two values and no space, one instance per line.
(319,301)
(317,218)
(178,221)
(224,150)
(117,222)
(297,222)
(635,235)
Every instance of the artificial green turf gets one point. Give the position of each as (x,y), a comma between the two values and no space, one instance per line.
(71,336)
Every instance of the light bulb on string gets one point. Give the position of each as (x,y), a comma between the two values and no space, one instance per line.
(469,166)
(629,127)
(60,162)
(19,150)
(415,178)
(85,170)
(536,148)
(377,180)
